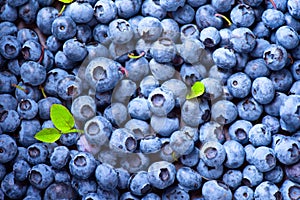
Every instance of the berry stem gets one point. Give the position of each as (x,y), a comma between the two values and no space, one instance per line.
(273,4)
(62,10)
(43,91)
(123,70)
(131,55)
(224,17)
(20,88)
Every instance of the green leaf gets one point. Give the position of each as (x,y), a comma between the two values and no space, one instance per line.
(61,118)
(66,1)
(48,135)
(196,90)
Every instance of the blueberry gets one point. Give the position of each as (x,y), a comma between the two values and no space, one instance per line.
(293,6)
(27,109)
(263,90)
(249,109)
(289,115)
(150,144)
(33,73)
(9,120)
(184,14)
(221,5)
(261,45)
(235,154)
(8,148)
(295,70)
(85,186)
(153,9)
(213,153)
(251,176)
(26,34)
(102,73)
(267,190)
(33,192)
(45,105)
(214,189)
(60,157)
(83,108)
(12,188)
(233,178)
(163,50)
(171,29)
(189,74)
(21,170)
(243,193)
(272,18)
(209,172)
(224,112)
(120,31)
(62,176)
(106,177)
(41,176)
(53,44)
(282,80)
(105,11)
(272,123)
(138,127)
(74,50)
(124,90)
(9,47)
(60,191)
(181,142)
(178,88)
(31,50)
(287,37)
(239,85)
(289,189)
(189,31)
(63,28)
(292,172)
(8,13)
(205,17)
(28,11)
(122,140)
(256,68)
(211,131)
(161,174)
(242,15)
(82,165)
(123,177)
(81,12)
(36,153)
(27,132)
(45,18)
(275,175)
(100,34)
(243,40)
(150,28)
(191,159)
(213,87)
(260,135)
(117,114)
(69,87)
(275,57)
(138,108)
(295,88)
(239,131)
(139,184)
(128,8)
(224,58)
(287,150)
(191,50)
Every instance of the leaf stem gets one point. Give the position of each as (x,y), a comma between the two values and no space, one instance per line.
(224,17)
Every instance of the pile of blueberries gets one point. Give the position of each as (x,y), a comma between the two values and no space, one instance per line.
(124,69)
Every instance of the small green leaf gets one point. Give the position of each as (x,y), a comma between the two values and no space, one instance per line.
(196,90)
(48,135)
(66,1)
(61,117)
